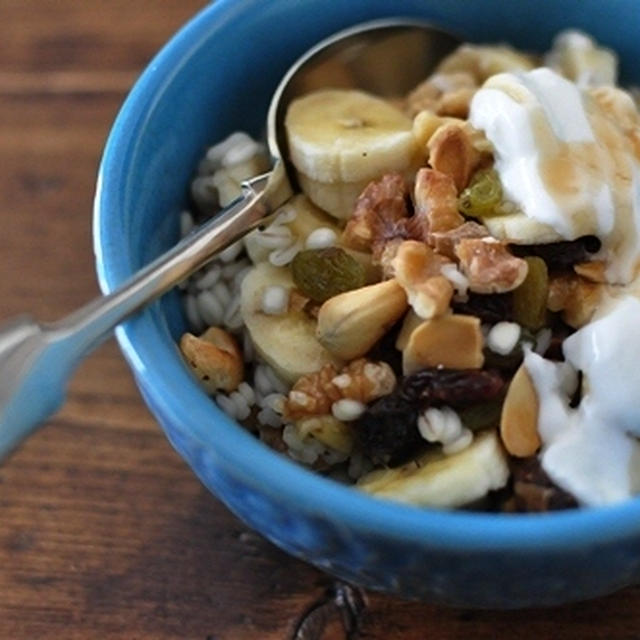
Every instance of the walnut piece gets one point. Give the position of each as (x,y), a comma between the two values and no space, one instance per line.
(417,269)
(313,394)
(489,266)
(445,242)
(361,380)
(378,215)
(436,201)
(451,152)
(381,220)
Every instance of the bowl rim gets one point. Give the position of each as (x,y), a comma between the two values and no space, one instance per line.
(141,341)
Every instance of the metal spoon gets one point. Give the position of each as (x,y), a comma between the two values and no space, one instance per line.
(386,57)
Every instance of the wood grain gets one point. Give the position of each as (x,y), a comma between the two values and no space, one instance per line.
(104,532)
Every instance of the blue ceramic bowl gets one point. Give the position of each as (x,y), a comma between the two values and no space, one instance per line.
(216,75)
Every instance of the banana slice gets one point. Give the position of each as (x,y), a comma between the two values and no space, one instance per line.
(287,342)
(308,218)
(336,198)
(340,135)
(518,228)
(436,480)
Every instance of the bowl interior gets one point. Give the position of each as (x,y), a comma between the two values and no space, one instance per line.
(216,76)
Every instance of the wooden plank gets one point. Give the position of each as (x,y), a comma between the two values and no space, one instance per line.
(104,531)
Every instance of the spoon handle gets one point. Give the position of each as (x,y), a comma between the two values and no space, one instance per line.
(37,360)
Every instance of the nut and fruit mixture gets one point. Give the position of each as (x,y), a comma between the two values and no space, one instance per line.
(378,330)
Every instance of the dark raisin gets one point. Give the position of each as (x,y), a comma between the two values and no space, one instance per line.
(561,255)
(451,387)
(533,489)
(577,394)
(490,308)
(388,431)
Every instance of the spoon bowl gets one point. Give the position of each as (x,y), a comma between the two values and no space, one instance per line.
(386,57)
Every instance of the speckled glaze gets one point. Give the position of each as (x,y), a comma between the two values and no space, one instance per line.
(217,75)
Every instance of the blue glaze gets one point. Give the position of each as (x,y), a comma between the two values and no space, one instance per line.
(217,75)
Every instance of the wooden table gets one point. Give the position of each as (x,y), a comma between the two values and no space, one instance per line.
(104,531)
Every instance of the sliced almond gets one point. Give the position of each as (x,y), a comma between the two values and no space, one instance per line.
(350,324)
(519,420)
(453,342)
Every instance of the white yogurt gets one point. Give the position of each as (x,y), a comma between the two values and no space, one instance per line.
(592,451)
(568,157)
